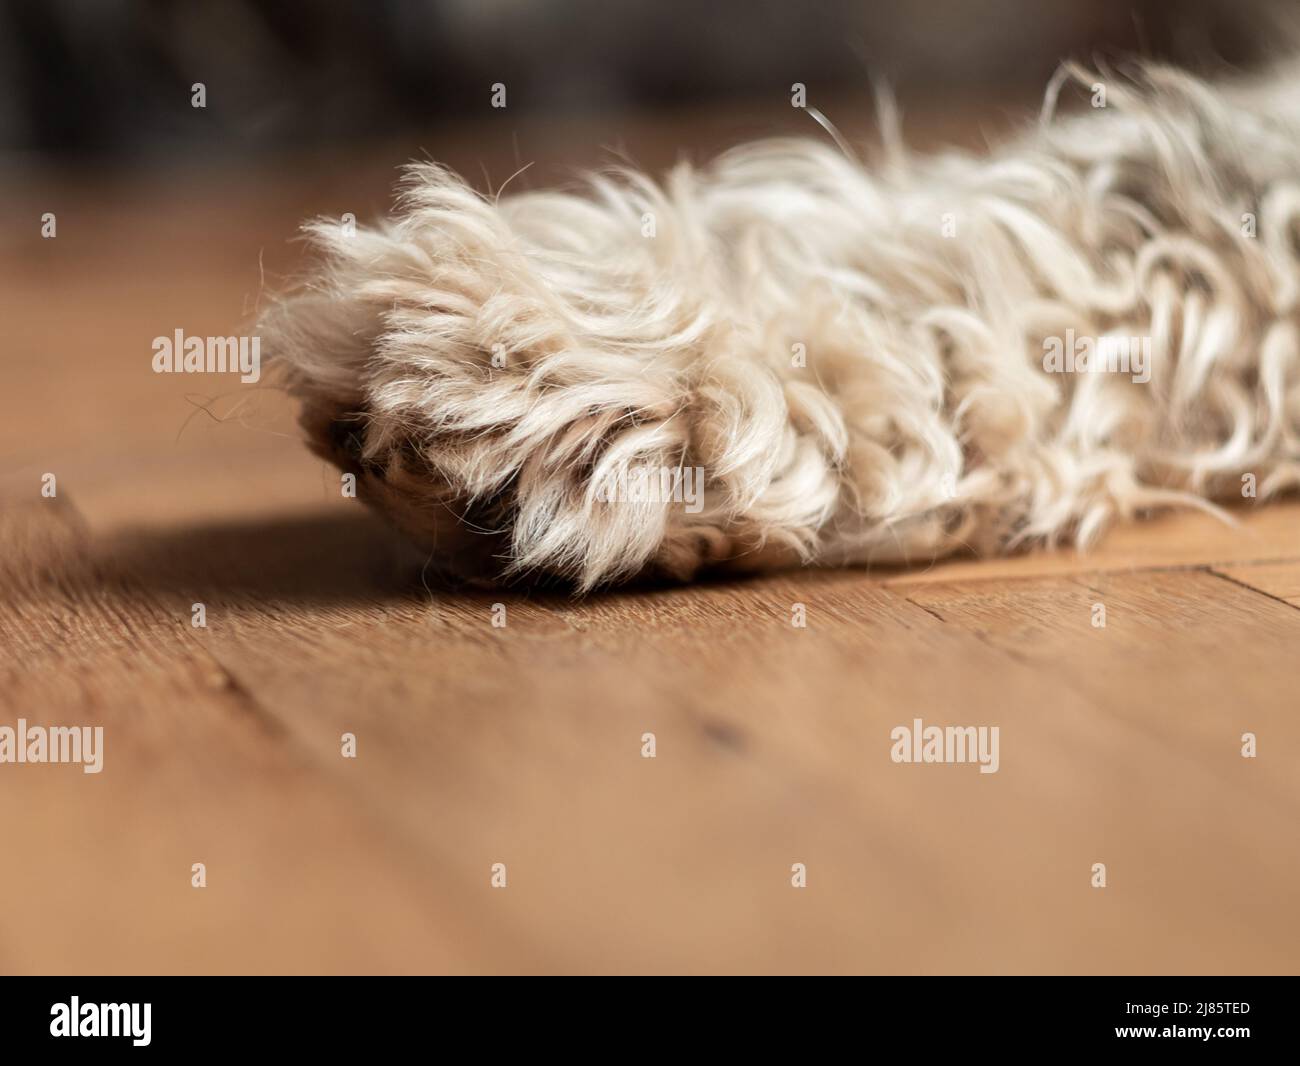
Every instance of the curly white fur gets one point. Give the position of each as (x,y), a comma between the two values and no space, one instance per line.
(485,366)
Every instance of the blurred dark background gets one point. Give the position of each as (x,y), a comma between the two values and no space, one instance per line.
(111,79)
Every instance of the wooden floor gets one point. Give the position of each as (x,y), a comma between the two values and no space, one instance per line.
(522,745)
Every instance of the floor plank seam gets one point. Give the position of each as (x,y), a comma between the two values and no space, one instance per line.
(901,583)
(1252,588)
(247,703)
(928,610)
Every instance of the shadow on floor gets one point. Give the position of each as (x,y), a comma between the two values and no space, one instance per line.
(318,559)
(333,557)
(306,559)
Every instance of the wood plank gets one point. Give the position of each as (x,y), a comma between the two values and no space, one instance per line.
(1142,745)
(522,745)
(197,768)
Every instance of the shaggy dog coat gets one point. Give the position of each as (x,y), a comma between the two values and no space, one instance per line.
(867,363)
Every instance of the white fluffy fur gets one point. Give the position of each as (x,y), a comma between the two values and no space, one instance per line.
(923,421)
